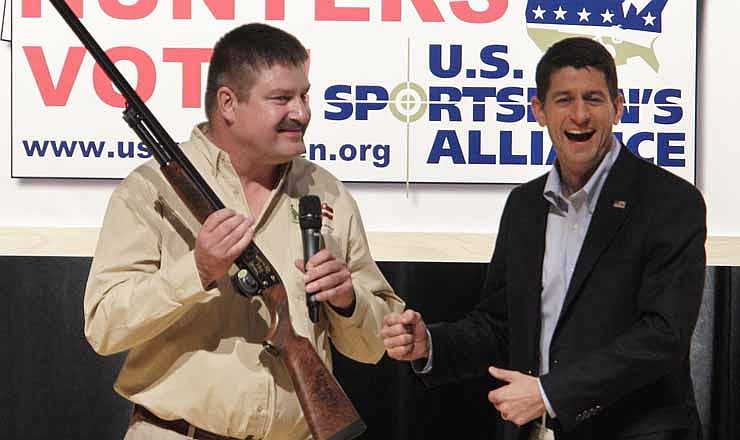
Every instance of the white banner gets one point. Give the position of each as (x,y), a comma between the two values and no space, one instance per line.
(5,26)
(417,91)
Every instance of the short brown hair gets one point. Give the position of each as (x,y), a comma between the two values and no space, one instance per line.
(577,52)
(244,51)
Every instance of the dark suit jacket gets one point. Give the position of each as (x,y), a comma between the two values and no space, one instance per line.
(619,358)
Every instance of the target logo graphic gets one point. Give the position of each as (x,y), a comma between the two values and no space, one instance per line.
(408,102)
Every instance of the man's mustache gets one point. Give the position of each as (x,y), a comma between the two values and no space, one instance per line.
(291,125)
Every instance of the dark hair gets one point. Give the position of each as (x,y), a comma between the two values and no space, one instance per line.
(243,52)
(577,52)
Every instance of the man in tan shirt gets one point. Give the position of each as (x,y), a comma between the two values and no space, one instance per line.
(160,286)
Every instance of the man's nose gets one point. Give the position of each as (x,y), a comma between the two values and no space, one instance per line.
(581,114)
(300,111)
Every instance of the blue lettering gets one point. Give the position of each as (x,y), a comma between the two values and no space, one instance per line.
(344,109)
(507,155)
(476,157)
(436,108)
(631,114)
(479,95)
(516,110)
(536,147)
(531,93)
(634,144)
(439,150)
(673,109)
(435,61)
(487,55)
(666,149)
(364,104)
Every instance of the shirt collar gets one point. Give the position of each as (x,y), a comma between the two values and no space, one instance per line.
(214,155)
(220,161)
(553,191)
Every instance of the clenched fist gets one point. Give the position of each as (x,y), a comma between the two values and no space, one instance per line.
(405,336)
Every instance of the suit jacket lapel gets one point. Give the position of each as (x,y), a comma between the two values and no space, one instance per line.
(532,254)
(616,199)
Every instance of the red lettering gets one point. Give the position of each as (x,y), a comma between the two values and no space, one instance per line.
(427,9)
(51,95)
(145,74)
(32,8)
(140,9)
(275,9)
(221,9)
(192,60)
(495,10)
(326,10)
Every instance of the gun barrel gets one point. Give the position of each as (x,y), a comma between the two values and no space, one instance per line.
(159,142)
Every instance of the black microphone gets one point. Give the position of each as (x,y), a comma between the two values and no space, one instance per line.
(309,217)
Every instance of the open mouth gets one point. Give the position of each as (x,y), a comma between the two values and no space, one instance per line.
(579,136)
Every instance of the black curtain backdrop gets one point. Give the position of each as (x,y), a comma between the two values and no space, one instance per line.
(57,387)
(725,400)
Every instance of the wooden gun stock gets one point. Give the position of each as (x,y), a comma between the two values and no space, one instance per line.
(329,413)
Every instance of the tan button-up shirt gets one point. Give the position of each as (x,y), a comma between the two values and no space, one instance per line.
(196,354)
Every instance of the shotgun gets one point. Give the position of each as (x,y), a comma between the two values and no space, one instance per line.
(329,413)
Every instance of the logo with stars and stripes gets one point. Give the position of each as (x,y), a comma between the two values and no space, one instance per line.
(628,28)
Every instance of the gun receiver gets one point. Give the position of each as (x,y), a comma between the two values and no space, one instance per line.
(329,412)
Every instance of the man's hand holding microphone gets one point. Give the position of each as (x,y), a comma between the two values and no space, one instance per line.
(327,277)
(225,235)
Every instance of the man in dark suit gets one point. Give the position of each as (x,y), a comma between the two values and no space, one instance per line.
(595,283)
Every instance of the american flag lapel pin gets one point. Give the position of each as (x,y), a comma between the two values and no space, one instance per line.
(619,204)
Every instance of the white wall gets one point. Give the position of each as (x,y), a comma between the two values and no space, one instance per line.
(434,208)
(718,100)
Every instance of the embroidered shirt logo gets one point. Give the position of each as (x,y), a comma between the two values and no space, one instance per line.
(327,211)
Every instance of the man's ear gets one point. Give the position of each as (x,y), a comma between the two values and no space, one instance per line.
(226,102)
(539,113)
(618,108)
